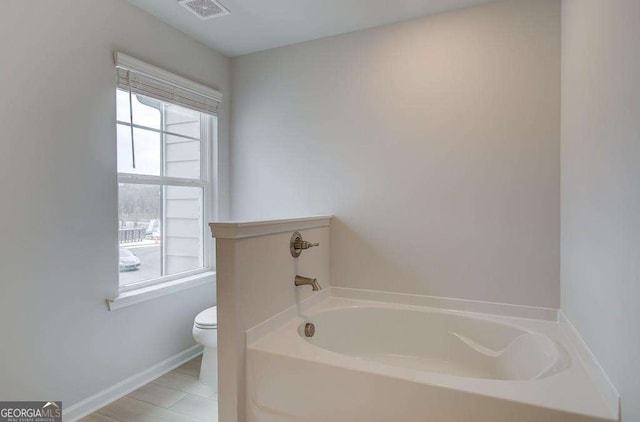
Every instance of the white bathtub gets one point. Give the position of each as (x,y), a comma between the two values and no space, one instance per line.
(437,342)
(373,361)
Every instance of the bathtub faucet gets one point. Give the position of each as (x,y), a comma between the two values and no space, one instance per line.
(304,281)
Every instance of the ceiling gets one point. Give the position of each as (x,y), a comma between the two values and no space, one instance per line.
(256,25)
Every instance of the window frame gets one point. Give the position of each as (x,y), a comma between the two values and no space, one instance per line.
(207,182)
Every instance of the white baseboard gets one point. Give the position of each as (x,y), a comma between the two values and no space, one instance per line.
(121,389)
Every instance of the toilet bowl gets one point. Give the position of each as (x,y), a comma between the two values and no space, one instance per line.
(205,332)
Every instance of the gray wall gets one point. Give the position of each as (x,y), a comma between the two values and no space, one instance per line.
(58,217)
(601,185)
(435,142)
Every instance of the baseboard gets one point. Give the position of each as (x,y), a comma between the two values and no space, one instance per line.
(591,364)
(121,389)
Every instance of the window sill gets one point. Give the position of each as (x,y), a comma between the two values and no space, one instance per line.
(144,294)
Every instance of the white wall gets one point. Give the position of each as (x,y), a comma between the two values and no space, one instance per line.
(601,185)
(58,217)
(435,143)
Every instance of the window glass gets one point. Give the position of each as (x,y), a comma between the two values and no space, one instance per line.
(148,146)
(162,198)
(139,232)
(182,121)
(182,157)
(184,234)
(147,112)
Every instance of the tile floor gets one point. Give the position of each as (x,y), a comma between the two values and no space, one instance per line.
(174,397)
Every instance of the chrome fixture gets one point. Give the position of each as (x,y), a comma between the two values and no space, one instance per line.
(297,244)
(309,329)
(305,281)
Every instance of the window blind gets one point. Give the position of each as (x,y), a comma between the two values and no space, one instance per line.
(141,78)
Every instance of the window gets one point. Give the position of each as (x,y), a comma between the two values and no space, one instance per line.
(164,183)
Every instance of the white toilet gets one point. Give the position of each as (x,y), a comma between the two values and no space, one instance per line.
(205,332)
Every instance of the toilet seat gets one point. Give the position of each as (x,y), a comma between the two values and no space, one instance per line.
(207,319)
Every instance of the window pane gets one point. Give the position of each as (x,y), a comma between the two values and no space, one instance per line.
(139,234)
(181,121)
(146,252)
(184,229)
(146,111)
(161,228)
(182,157)
(122,106)
(147,146)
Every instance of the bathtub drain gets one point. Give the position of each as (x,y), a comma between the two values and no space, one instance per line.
(309,329)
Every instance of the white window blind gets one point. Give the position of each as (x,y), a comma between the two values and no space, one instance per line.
(142,78)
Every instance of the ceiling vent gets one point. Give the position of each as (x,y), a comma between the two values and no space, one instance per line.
(205,9)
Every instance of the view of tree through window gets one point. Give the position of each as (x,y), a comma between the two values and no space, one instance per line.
(138,203)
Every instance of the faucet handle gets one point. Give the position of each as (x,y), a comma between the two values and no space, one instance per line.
(297,245)
(303,244)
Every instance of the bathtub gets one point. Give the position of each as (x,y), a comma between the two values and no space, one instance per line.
(379,361)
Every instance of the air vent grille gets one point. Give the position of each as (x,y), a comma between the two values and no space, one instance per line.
(205,9)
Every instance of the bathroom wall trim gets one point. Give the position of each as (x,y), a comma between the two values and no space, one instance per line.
(592,366)
(245,229)
(134,297)
(121,389)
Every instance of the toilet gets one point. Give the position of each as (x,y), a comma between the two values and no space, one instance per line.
(205,332)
